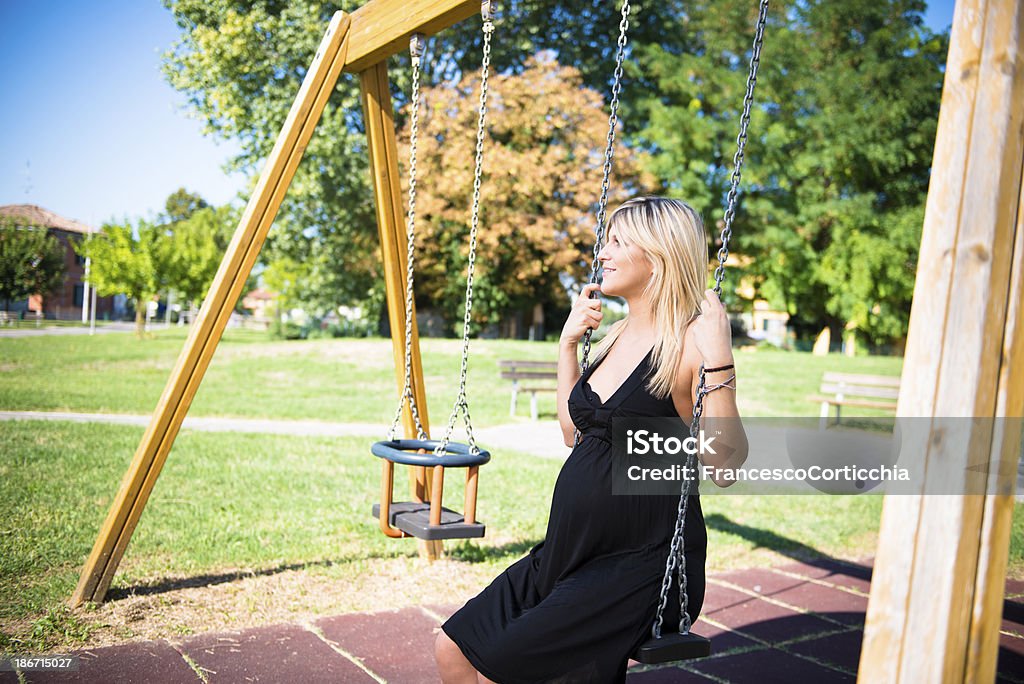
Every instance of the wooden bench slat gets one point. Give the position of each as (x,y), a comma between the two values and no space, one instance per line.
(861,391)
(861,379)
(527,364)
(529,375)
(855,402)
(866,404)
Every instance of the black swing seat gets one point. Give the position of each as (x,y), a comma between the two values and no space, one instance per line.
(414,518)
(672,646)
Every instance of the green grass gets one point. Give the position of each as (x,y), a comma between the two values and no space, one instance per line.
(223,501)
(229,501)
(345,380)
(259,502)
(334,380)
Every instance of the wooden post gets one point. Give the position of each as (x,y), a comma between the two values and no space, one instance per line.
(469,505)
(383,152)
(936,594)
(987,608)
(437,494)
(206,332)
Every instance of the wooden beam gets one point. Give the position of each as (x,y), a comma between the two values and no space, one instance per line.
(382,28)
(997,516)
(378,116)
(206,332)
(936,593)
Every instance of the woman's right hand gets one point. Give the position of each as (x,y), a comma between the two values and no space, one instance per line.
(585,314)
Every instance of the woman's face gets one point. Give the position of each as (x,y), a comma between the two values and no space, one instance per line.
(626,267)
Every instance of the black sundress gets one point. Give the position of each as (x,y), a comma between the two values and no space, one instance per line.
(584,598)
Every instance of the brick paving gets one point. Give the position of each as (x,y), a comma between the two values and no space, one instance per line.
(794,622)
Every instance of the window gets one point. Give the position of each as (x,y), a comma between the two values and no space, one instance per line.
(79,294)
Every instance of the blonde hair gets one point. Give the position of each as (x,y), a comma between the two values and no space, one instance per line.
(671,234)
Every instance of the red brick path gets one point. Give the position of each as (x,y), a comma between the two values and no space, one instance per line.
(801,622)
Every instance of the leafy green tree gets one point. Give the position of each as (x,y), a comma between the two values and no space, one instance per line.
(241,64)
(846,114)
(181,204)
(838,155)
(195,247)
(195,240)
(31,261)
(129,260)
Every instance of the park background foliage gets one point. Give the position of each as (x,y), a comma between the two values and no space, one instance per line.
(835,178)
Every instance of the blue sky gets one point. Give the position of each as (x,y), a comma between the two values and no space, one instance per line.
(86,106)
(89,127)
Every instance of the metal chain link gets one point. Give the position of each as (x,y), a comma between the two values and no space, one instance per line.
(416,45)
(676,557)
(460,401)
(609,153)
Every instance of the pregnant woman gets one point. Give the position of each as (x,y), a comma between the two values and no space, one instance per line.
(576,606)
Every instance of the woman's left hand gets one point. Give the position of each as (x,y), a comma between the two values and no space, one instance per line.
(712,333)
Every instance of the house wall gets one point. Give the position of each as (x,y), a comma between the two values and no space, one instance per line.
(65,302)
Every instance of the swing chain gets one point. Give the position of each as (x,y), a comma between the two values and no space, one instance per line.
(741,143)
(609,154)
(676,557)
(461,402)
(416,44)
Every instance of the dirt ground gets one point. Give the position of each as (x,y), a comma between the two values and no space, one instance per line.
(175,608)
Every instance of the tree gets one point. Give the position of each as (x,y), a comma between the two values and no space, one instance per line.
(31,261)
(846,114)
(181,204)
(194,248)
(240,65)
(838,155)
(128,260)
(543,158)
(196,238)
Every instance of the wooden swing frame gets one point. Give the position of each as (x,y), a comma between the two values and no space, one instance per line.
(936,597)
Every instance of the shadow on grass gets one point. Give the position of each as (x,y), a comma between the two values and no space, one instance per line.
(466,552)
(469,551)
(209,580)
(474,553)
(786,546)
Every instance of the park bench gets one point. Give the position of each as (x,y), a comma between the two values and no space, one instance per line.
(535,373)
(9,317)
(857,390)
